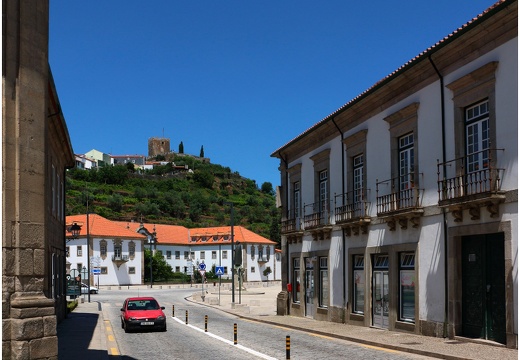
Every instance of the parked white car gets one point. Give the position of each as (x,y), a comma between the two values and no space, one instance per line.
(85,289)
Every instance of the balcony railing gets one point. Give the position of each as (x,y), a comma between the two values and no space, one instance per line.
(292,223)
(119,257)
(351,206)
(400,198)
(316,215)
(464,184)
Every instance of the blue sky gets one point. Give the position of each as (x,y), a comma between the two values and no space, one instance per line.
(239,77)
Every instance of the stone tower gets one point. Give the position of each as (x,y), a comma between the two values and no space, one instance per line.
(158,146)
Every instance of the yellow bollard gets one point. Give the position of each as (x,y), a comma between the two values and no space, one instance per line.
(205,323)
(235,341)
(287,347)
(173,310)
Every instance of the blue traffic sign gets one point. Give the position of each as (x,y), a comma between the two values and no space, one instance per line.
(202,266)
(96,271)
(219,270)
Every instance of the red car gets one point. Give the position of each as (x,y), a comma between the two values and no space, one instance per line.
(142,313)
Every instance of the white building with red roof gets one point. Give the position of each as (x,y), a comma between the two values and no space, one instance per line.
(116,248)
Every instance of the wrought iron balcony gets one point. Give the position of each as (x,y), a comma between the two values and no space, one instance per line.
(316,215)
(292,223)
(351,207)
(459,184)
(401,196)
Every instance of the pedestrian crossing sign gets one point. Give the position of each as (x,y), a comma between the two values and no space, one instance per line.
(219,270)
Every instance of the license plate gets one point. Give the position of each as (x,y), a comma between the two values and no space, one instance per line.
(147,323)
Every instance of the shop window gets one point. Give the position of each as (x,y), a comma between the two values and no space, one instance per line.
(358,302)
(296,280)
(407,287)
(324,283)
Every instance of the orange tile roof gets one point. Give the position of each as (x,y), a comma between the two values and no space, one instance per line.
(166,234)
(101,227)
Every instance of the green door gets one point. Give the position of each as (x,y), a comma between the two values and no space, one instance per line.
(483,287)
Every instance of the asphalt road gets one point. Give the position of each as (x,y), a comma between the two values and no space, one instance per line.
(254,339)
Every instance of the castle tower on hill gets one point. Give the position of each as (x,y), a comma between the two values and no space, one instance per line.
(158,146)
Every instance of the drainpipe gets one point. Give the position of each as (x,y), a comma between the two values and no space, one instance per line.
(444,217)
(342,232)
(287,262)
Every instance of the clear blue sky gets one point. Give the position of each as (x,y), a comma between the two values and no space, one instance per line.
(239,77)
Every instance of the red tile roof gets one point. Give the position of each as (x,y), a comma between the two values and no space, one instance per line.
(101,227)
(166,234)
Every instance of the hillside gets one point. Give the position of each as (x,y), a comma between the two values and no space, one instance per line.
(167,195)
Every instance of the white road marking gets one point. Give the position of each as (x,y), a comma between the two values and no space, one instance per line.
(251,351)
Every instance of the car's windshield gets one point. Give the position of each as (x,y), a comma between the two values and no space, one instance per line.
(142,305)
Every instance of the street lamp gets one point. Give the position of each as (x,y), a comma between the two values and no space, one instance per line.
(152,239)
(232,255)
(74,229)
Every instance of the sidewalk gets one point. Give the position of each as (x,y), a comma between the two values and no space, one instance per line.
(83,335)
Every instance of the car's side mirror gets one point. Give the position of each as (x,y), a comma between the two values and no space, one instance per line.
(162,307)
(122,309)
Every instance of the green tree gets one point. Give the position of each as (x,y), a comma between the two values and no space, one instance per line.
(181,148)
(204,178)
(115,202)
(267,188)
(161,270)
(114,175)
(202,151)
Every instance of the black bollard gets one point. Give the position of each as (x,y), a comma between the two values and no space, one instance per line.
(186,317)
(287,347)
(205,323)
(235,341)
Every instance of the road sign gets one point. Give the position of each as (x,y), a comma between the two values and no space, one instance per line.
(202,272)
(202,266)
(96,271)
(219,270)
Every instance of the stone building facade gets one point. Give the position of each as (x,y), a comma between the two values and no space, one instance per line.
(158,146)
(36,152)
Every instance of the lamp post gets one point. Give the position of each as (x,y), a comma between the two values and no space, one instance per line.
(74,230)
(151,241)
(88,250)
(232,256)
(152,238)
